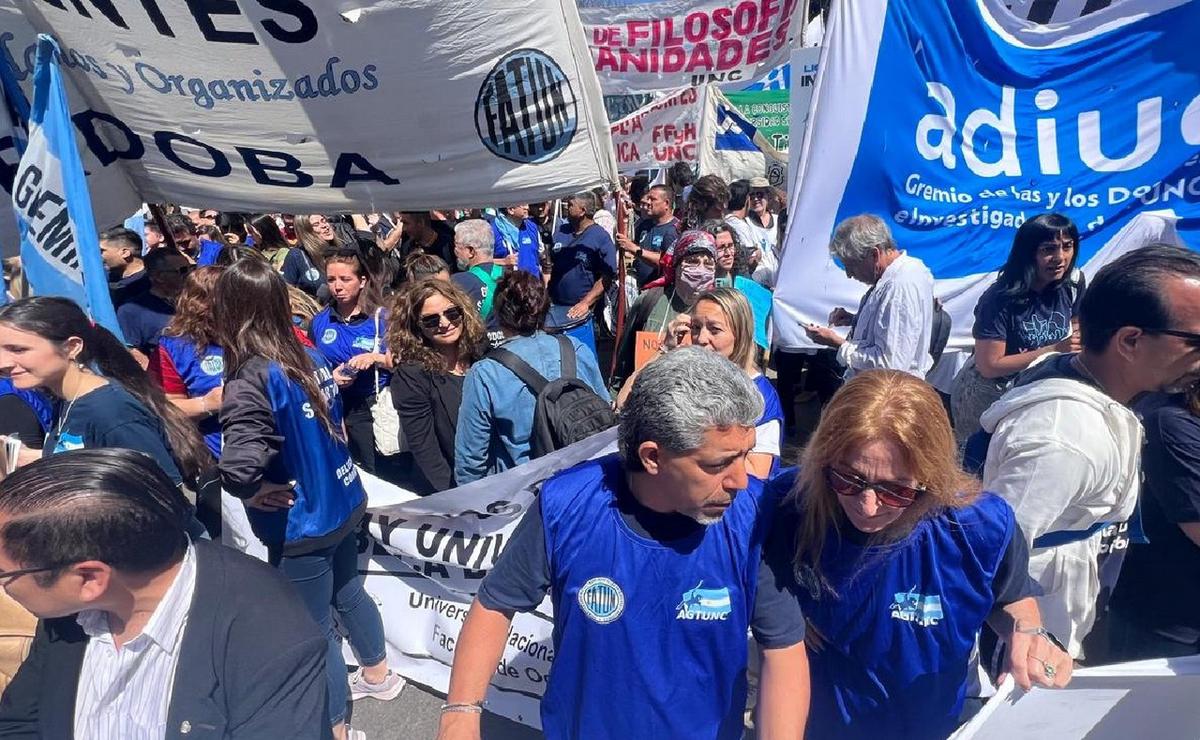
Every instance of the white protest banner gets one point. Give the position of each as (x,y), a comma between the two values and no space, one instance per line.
(804,65)
(732,148)
(1110,702)
(425,558)
(956,153)
(660,133)
(113,197)
(663,44)
(308,106)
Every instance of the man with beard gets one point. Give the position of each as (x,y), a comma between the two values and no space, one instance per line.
(1064,450)
(653,559)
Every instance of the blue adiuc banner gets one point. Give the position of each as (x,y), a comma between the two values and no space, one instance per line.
(956,122)
(60,250)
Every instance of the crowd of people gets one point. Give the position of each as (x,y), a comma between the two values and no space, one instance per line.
(929,541)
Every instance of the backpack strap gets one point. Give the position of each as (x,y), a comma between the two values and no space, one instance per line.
(567,357)
(489,279)
(523,370)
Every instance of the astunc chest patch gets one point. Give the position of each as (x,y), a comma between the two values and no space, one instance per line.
(366,343)
(924,610)
(704,604)
(601,600)
(329,336)
(68,442)
(212,364)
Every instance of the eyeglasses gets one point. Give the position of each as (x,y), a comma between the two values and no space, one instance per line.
(432,321)
(727,249)
(1192,339)
(8,576)
(896,495)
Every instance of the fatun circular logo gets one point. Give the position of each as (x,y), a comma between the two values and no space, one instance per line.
(601,600)
(526,110)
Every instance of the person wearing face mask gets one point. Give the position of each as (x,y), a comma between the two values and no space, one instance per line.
(652,557)
(517,240)
(693,269)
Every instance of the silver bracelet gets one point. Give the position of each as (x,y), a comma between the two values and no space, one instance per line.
(1043,632)
(476,708)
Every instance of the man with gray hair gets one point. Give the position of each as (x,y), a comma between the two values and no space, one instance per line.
(473,249)
(652,557)
(894,323)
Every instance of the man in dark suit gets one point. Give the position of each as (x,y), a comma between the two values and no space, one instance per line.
(144,634)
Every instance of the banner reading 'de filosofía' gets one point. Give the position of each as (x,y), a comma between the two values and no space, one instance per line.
(643,45)
(956,122)
(310,106)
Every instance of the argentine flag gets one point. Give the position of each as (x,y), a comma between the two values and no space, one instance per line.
(60,249)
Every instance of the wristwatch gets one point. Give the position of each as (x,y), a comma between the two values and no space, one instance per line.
(638,253)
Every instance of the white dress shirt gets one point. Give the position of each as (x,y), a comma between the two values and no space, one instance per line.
(895,322)
(125,693)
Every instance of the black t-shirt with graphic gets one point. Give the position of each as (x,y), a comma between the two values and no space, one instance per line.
(1030,321)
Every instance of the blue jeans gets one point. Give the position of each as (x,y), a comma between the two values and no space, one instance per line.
(329,578)
(582,329)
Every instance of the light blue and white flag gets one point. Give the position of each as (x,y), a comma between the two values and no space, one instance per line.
(956,121)
(60,250)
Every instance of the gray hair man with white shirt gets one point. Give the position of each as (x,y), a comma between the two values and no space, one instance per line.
(894,323)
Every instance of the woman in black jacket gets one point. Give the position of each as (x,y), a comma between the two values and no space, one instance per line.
(435,334)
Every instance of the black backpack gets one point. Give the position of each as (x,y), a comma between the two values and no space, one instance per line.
(567,409)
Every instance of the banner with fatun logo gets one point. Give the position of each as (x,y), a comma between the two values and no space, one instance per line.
(956,122)
(308,106)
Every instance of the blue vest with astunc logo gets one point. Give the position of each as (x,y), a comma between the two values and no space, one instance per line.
(328,488)
(200,372)
(649,638)
(900,632)
(338,341)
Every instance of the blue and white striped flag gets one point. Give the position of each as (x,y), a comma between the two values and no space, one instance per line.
(60,249)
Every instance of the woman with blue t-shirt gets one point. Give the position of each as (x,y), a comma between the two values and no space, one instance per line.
(351,334)
(102,397)
(285,457)
(1028,312)
(898,561)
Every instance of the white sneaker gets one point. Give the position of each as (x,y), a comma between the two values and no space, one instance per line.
(387,690)
(353,734)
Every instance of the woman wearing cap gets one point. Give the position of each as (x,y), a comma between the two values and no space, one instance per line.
(898,561)
(692,270)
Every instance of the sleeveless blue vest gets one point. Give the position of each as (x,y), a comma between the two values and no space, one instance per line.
(200,372)
(328,488)
(902,625)
(649,638)
(338,341)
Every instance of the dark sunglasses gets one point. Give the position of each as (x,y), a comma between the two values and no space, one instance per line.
(889,494)
(431,322)
(1193,340)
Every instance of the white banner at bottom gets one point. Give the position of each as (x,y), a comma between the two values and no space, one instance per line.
(424,558)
